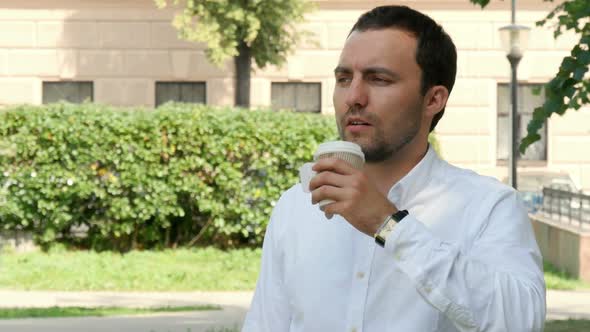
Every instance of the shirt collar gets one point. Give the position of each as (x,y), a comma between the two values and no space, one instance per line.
(415,180)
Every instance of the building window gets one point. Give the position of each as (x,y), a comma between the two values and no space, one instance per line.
(298,96)
(182,92)
(71,92)
(527,102)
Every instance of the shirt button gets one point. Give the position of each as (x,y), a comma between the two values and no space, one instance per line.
(360,275)
(353,329)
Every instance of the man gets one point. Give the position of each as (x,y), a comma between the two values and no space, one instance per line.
(455,251)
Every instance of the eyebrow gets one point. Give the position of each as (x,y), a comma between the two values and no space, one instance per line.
(366,71)
(342,70)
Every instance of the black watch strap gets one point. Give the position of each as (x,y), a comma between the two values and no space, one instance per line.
(399,215)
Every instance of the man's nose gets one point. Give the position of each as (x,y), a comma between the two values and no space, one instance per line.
(356,95)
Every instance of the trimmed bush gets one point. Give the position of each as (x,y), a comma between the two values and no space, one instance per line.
(110,178)
(136,178)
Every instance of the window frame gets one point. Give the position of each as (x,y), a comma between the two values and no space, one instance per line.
(521,124)
(46,83)
(297,83)
(180,83)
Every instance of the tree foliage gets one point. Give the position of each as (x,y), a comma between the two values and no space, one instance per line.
(570,88)
(268,27)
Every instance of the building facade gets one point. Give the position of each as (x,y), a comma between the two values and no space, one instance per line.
(127,53)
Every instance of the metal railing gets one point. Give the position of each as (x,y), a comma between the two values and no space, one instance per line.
(565,206)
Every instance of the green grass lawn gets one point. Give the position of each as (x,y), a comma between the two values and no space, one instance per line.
(570,325)
(203,269)
(15,313)
(556,279)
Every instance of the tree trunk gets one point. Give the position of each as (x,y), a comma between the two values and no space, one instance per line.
(243,65)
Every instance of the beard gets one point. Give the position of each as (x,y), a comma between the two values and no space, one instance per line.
(386,142)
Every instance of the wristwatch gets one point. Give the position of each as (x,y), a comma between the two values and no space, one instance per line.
(388,225)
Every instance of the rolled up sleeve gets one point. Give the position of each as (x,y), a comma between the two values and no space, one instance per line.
(496,284)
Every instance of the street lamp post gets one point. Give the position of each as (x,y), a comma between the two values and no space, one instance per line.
(514,38)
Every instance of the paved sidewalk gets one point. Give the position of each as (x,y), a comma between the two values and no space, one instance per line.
(568,304)
(122,299)
(198,321)
(234,307)
(560,305)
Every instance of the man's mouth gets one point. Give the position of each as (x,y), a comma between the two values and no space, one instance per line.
(357,126)
(357,122)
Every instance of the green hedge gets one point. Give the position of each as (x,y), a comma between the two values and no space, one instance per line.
(137,178)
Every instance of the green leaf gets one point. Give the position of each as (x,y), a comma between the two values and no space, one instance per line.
(551,105)
(527,141)
(583,58)
(579,73)
(482,3)
(568,64)
(567,83)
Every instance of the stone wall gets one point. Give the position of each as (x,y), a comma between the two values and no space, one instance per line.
(566,247)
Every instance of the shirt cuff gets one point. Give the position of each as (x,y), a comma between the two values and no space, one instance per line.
(411,244)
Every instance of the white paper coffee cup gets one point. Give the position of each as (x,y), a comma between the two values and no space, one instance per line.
(347,151)
(305,175)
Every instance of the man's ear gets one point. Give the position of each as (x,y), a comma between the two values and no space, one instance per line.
(435,100)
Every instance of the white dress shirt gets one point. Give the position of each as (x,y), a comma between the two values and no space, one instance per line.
(464,259)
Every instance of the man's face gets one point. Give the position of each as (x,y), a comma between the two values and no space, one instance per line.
(377,97)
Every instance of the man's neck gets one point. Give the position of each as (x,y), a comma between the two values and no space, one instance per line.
(386,173)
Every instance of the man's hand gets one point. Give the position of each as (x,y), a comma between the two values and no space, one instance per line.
(355,197)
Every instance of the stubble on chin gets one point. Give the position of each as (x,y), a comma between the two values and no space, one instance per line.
(354,138)
(377,148)
(374,149)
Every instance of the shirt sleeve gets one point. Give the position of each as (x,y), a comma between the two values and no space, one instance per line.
(496,284)
(269,310)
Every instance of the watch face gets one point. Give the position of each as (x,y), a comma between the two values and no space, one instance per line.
(385,231)
(389,227)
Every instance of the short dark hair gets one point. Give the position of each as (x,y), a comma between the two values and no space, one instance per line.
(436,54)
